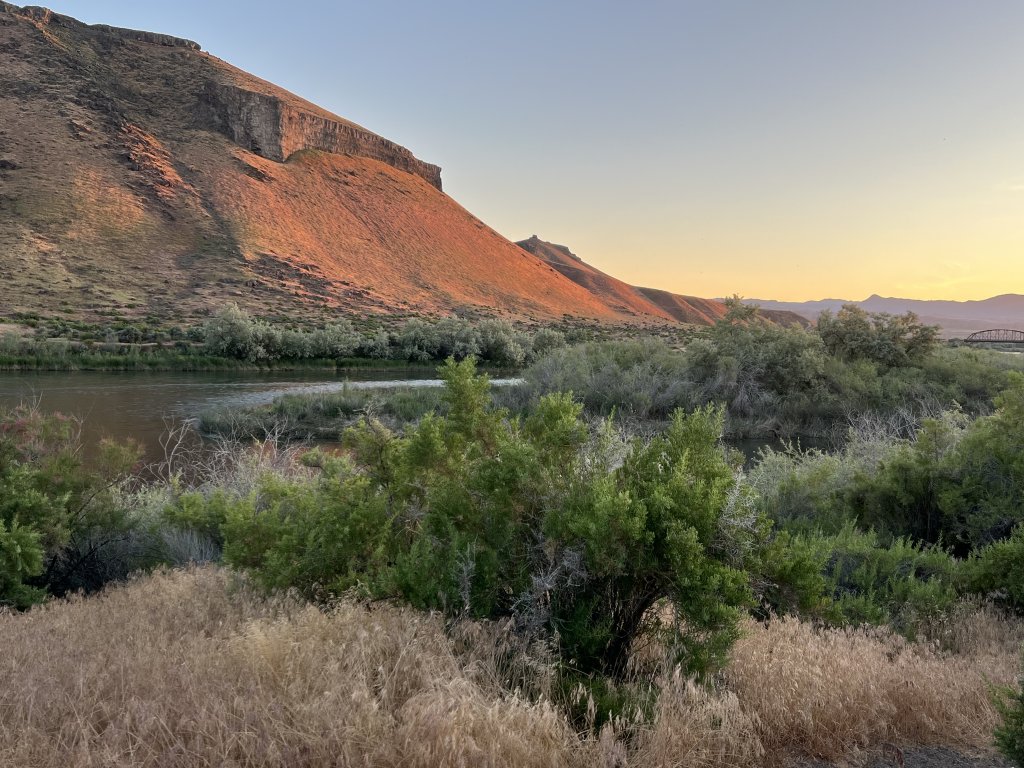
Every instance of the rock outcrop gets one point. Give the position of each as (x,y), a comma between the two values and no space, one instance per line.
(276,130)
(46,16)
(141,176)
(267,121)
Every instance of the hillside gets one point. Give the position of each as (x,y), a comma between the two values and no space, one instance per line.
(140,175)
(956,318)
(634,301)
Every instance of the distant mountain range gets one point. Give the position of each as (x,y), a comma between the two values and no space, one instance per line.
(956,318)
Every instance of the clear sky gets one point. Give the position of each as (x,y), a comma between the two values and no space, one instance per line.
(791,149)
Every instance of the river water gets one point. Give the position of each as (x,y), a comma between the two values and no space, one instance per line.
(140,405)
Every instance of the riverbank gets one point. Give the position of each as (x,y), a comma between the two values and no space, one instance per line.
(166,360)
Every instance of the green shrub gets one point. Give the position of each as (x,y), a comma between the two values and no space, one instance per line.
(230,334)
(321,538)
(902,584)
(21,559)
(773,381)
(572,534)
(889,340)
(997,571)
(1009,736)
(60,518)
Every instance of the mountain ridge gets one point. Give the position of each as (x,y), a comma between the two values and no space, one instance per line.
(140,175)
(954,317)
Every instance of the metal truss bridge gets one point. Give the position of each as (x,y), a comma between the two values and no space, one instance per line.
(1002,335)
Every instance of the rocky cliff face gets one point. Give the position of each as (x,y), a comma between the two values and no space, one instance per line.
(267,121)
(47,17)
(268,126)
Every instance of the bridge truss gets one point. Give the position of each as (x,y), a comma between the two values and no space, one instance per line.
(1001,335)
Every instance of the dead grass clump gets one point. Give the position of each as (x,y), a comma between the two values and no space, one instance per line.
(977,629)
(190,668)
(829,693)
(701,727)
(457,725)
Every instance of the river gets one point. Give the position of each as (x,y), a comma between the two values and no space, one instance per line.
(140,405)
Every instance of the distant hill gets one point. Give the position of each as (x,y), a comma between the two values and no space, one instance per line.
(956,318)
(633,301)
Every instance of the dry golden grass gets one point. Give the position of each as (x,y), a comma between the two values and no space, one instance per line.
(191,668)
(831,693)
(180,669)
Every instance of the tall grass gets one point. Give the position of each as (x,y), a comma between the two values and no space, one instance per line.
(187,668)
(830,693)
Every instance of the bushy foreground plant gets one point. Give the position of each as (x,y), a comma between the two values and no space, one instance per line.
(58,514)
(574,535)
(1010,732)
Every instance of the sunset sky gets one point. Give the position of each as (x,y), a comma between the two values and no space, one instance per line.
(788,149)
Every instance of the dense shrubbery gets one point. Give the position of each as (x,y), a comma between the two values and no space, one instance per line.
(17,353)
(581,539)
(233,333)
(778,381)
(863,534)
(997,570)
(579,536)
(58,515)
(1010,733)
(552,518)
(953,487)
(572,534)
(232,338)
(954,481)
(893,341)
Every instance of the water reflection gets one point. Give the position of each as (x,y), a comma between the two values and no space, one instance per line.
(140,405)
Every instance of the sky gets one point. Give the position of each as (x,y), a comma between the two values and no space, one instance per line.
(793,149)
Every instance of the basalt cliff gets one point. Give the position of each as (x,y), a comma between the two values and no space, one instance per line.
(140,175)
